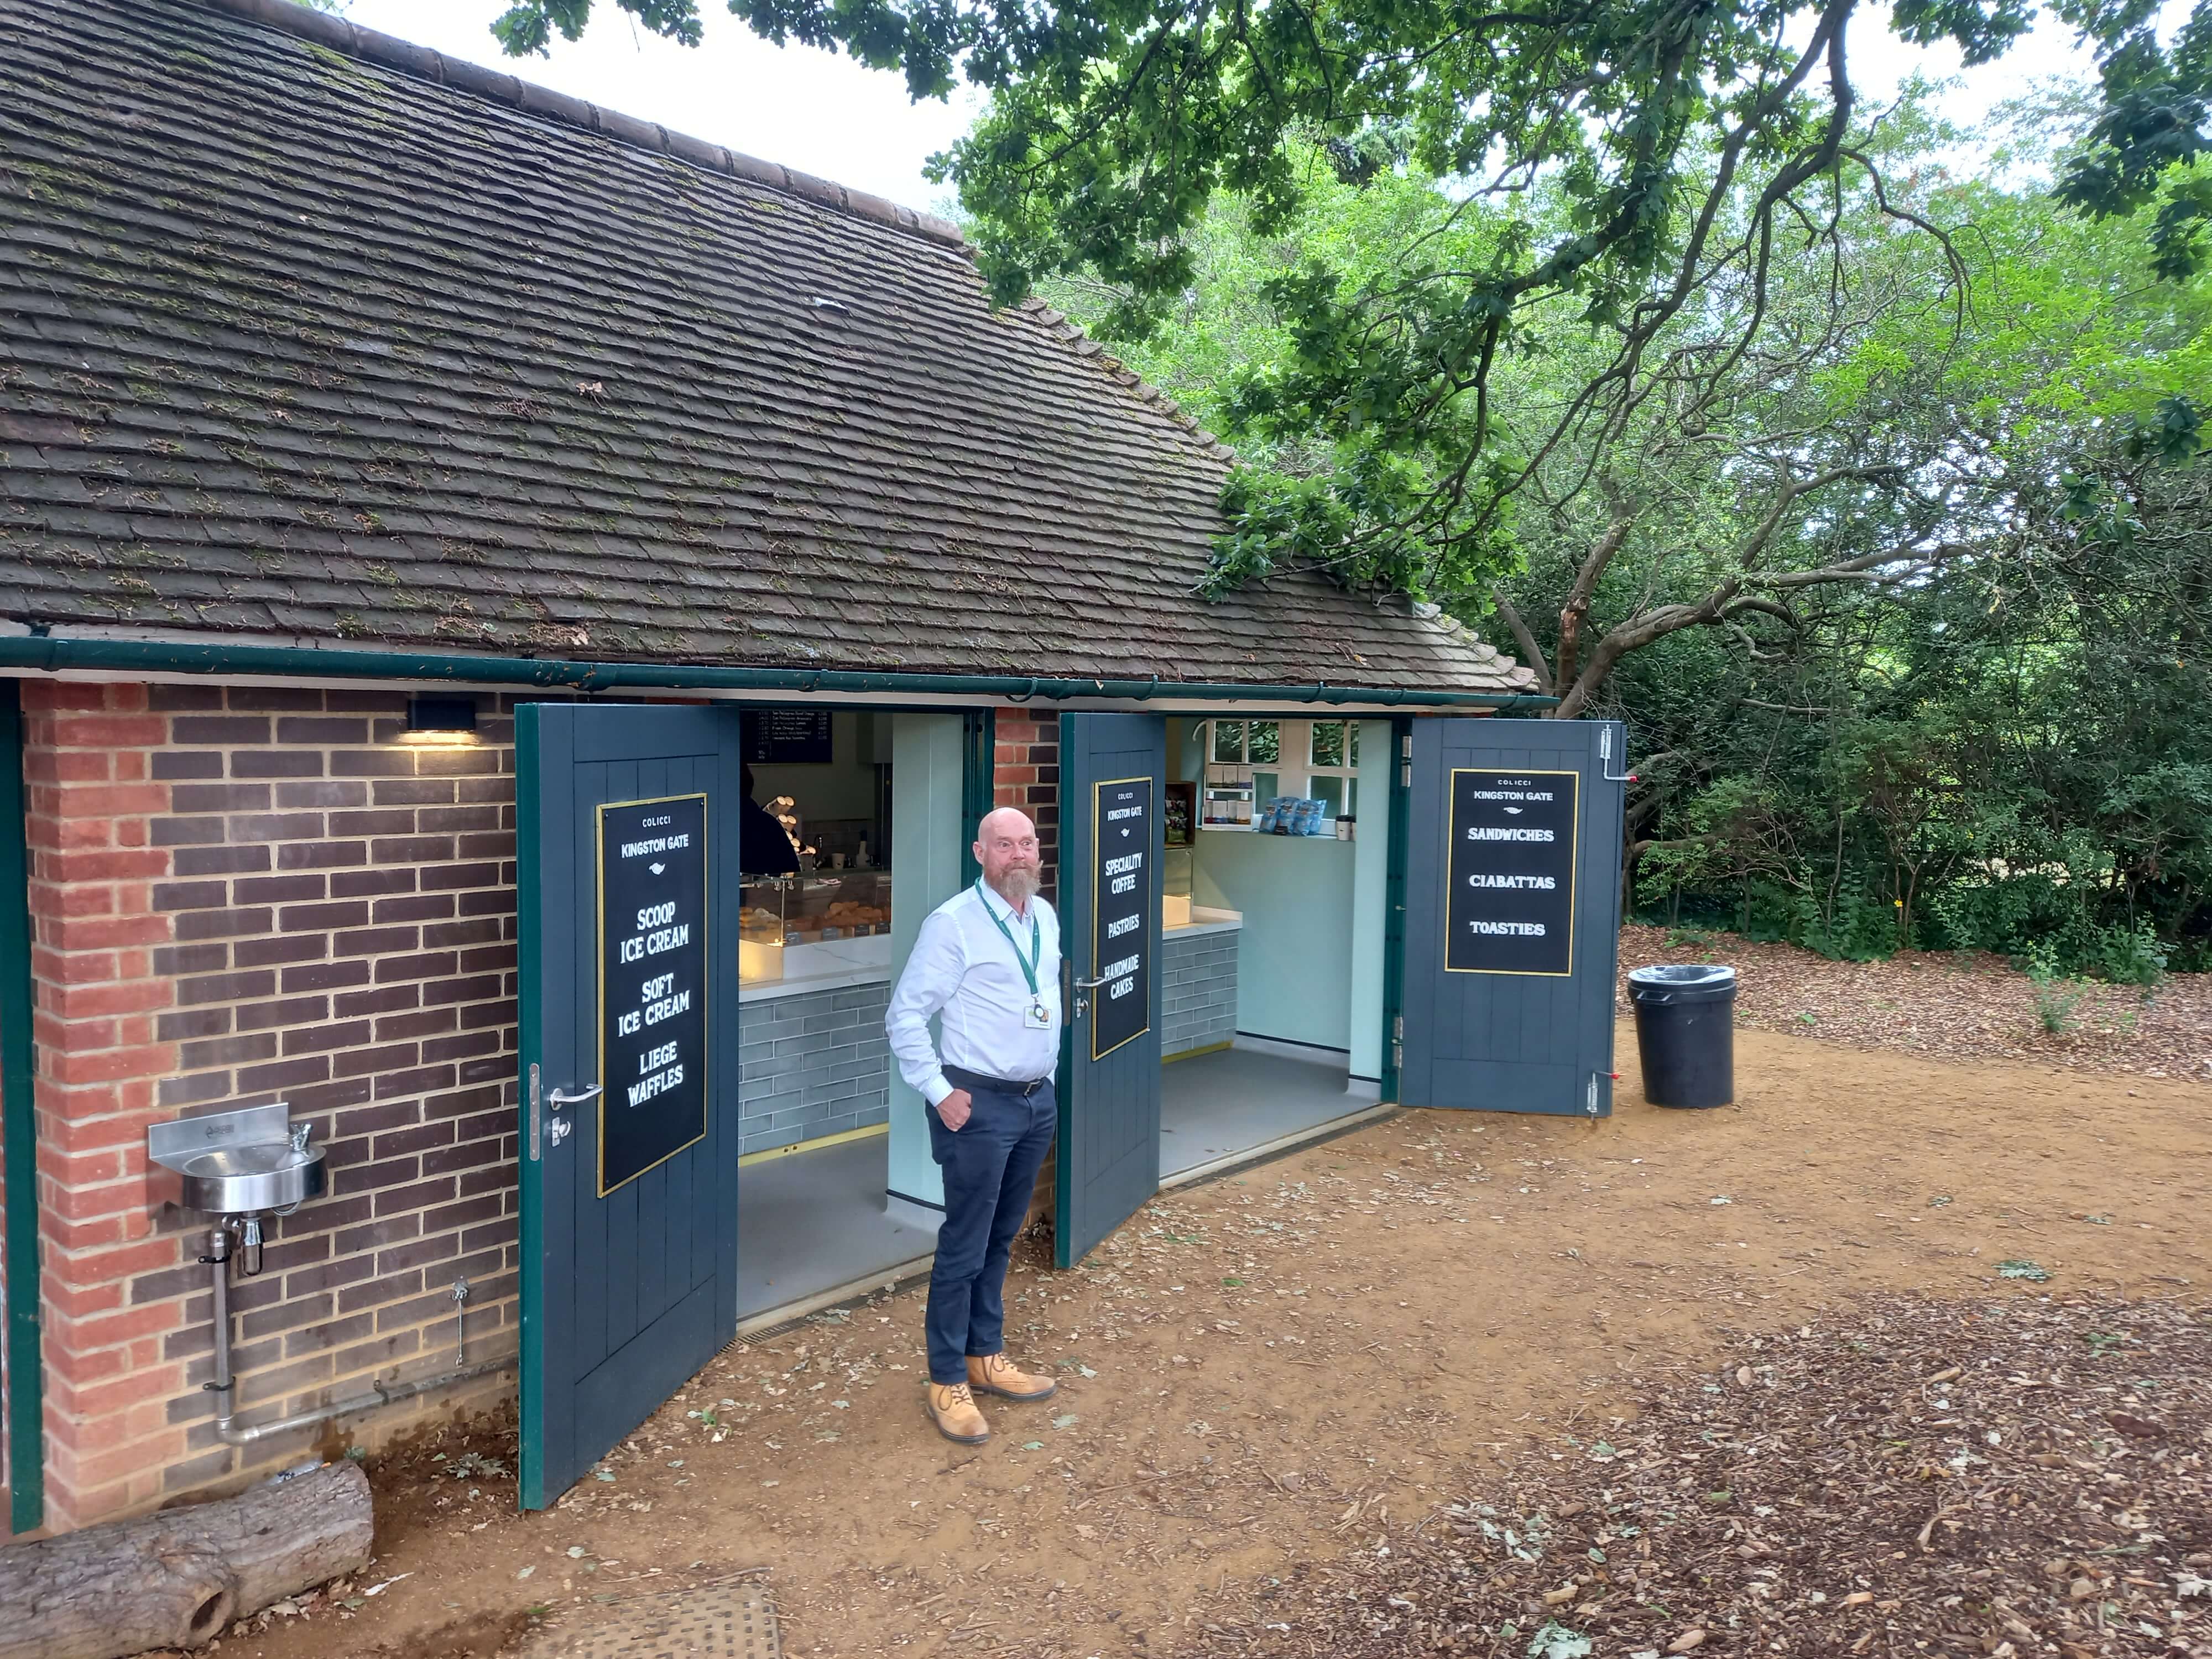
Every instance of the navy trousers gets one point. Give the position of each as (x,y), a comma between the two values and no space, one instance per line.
(990,1165)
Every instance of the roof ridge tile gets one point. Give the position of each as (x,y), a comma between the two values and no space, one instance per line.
(458,73)
(1068,329)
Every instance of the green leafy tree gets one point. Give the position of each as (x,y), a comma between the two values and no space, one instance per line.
(1677,147)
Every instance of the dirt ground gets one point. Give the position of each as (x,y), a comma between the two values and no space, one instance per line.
(1957,1005)
(1266,1372)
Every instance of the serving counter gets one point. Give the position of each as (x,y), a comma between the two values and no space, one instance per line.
(1198,985)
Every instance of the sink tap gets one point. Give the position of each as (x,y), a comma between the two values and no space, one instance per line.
(299,1133)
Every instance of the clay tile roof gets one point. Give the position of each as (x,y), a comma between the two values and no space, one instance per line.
(312,333)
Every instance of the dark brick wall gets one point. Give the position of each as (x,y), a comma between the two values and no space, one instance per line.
(241,895)
(344,905)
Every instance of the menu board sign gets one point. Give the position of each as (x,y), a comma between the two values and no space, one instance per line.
(787,737)
(1120,913)
(652,983)
(1511,907)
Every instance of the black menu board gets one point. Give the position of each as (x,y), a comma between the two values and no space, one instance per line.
(787,737)
(1122,913)
(652,983)
(1510,907)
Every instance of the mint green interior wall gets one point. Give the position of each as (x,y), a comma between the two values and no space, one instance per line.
(1371,880)
(927,834)
(1294,955)
(1186,755)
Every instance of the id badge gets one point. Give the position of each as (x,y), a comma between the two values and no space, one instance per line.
(1039,1017)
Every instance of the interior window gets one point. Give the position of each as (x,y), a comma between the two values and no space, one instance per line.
(1228,741)
(1266,743)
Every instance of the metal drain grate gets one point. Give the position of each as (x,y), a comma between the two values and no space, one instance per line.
(732,1622)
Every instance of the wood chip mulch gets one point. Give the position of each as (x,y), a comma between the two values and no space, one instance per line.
(2009,1478)
(1947,1004)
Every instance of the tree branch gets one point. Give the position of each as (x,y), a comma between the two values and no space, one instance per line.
(1531,652)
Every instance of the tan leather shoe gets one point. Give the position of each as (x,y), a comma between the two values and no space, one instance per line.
(953,1411)
(996,1374)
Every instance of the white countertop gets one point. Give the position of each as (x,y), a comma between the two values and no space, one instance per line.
(830,965)
(838,965)
(1203,921)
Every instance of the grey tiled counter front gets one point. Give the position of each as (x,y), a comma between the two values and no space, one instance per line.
(813,1064)
(1198,1000)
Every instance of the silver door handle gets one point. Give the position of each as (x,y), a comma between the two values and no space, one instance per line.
(561,1098)
(1093,984)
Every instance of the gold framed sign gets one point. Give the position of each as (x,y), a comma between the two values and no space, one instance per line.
(1510,865)
(1121,910)
(652,962)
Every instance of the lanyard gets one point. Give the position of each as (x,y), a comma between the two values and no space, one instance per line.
(1036,940)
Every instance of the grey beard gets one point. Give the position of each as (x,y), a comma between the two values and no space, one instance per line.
(1020,886)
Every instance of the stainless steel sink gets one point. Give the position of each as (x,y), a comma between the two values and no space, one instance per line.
(240,1162)
(238,1179)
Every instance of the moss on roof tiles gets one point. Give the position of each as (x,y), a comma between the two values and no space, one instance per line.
(535,385)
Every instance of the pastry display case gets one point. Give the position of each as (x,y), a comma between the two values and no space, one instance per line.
(782,913)
(1175,871)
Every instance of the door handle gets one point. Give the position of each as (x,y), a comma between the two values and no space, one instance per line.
(561,1098)
(1082,1002)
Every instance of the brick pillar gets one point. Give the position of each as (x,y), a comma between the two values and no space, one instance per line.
(1025,773)
(87,765)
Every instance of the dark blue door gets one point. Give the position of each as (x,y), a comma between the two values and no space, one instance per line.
(1112,771)
(627,875)
(1512,915)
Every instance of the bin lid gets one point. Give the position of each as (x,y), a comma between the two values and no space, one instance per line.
(1685,976)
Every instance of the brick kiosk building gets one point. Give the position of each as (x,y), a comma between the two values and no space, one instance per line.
(338,373)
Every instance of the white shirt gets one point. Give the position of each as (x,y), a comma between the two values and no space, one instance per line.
(963,967)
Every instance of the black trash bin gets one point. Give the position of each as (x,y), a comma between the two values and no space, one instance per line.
(1686,1033)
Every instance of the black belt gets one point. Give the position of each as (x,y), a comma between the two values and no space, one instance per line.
(972,1081)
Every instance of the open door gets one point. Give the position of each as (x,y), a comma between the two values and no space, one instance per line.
(628,894)
(1112,777)
(1512,915)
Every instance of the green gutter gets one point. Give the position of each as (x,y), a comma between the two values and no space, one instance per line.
(19,1149)
(153,657)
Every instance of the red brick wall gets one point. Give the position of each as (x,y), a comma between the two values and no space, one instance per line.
(243,895)
(1025,773)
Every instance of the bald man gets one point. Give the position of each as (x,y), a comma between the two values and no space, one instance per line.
(988,961)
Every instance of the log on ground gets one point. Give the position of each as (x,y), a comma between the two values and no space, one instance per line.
(177,1579)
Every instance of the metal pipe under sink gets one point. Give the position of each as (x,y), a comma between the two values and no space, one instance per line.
(224,1386)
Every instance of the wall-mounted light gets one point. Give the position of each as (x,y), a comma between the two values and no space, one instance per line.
(441,719)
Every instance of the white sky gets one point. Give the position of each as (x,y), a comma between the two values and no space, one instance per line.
(827,115)
(806,109)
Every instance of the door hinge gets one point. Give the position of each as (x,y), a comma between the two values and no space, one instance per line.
(1397,1028)
(1397,1056)
(533,1111)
